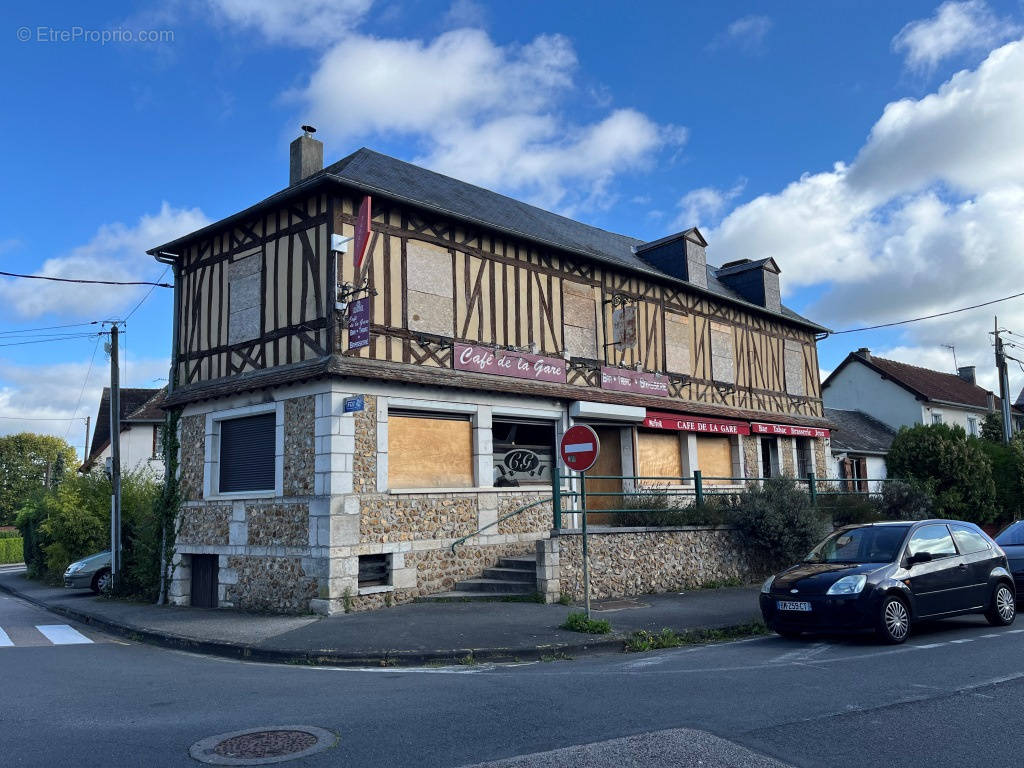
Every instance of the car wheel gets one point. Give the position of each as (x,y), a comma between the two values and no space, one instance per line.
(1004,607)
(894,620)
(101,581)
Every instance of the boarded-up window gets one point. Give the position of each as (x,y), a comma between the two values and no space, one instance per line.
(430,292)
(714,458)
(579,310)
(677,343)
(244,291)
(795,368)
(429,452)
(659,455)
(723,353)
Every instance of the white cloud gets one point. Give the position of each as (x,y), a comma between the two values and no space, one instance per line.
(37,393)
(746,34)
(306,23)
(956,27)
(928,218)
(700,207)
(116,252)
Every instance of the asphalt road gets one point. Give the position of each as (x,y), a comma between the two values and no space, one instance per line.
(953,696)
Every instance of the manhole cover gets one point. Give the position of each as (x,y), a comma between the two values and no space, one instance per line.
(263,746)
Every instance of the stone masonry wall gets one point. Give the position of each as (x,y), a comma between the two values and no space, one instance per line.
(386,518)
(644,561)
(204,525)
(751,461)
(364,461)
(820,461)
(193,450)
(285,525)
(277,584)
(786,456)
(299,446)
(536,519)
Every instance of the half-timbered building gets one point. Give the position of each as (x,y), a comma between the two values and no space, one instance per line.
(343,421)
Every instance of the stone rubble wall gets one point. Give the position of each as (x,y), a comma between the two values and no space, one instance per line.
(279,584)
(299,446)
(645,561)
(193,450)
(204,524)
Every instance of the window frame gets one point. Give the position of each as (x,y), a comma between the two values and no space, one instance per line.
(551,424)
(211,470)
(953,528)
(774,457)
(910,540)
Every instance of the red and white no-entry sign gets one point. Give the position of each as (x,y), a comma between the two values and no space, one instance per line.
(579,447)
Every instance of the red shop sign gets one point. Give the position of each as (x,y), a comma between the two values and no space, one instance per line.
(681,423)
(789,431)
(500,362)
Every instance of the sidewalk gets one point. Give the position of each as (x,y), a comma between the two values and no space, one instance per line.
(416,633)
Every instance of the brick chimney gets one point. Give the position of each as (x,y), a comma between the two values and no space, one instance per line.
(864,352)
(306,156)
(967,373)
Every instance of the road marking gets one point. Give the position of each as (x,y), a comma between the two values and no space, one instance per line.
(928,645)
(964,640)
(993,634)
(5,641)
(62,634)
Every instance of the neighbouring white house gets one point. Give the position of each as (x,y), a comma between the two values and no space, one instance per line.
(898,394)
(141,431)
(859,444)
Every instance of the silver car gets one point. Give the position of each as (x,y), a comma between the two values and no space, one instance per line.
(91,572)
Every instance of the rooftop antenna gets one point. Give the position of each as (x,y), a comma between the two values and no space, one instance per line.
(952,348)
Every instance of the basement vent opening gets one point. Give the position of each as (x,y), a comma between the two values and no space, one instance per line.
(374,570)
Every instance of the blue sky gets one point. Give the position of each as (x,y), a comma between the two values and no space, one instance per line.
(871,148)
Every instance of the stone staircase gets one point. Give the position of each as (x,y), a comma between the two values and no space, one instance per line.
(511,577)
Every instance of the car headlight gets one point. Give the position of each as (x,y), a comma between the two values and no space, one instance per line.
(848,585)
(74,568)
(767,586)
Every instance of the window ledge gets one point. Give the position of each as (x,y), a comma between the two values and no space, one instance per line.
(240,495)
(376,590)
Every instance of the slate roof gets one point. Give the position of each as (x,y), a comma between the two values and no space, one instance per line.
(375,173)
(922,382)
(151,410)
(856,432)
(133,400)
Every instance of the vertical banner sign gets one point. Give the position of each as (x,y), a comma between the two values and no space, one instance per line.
(359,323)
(362,236)
(624,327)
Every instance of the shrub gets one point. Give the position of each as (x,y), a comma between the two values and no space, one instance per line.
(1007,460)
(850,508)
(777,522)
(10,550)
(906,500)
(956,465)
(657,507)
(578,622)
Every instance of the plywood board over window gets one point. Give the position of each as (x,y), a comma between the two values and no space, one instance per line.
(659,455)
(794,361)
(429,452)
(579,310)
(723,353)
(677,343)
(714,458)
(431,291)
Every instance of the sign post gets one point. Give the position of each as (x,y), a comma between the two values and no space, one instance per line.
(579,449)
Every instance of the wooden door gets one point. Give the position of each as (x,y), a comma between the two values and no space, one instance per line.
(609,462)
(204,581)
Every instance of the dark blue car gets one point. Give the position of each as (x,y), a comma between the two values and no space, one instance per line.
(1011,540)
(886,576)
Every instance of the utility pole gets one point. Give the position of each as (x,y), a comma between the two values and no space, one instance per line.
(115,456)
(1004,383)
(85,449)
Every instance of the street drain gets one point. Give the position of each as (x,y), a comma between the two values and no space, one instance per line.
(263,746)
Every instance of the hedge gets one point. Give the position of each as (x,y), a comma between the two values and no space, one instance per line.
(10,551)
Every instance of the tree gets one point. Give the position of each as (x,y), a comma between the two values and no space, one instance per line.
(954,467)
(992,427)
(28,463)
(1008,473)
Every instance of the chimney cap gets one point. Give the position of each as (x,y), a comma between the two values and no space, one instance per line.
(864,352)
(309,130)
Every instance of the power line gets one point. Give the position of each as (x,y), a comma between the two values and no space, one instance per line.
(88,373)
(43,341)
(927,317)
(33,418)
(149,292)
(91,282)
(47,328)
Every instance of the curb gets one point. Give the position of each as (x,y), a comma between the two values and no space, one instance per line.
(608,643)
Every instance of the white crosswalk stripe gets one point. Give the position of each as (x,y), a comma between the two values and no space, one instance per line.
(5,641)
(62,634)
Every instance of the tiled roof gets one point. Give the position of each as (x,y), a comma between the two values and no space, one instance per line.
(933,385)
(855,431)
(150,410)
(375,173)
(132,400)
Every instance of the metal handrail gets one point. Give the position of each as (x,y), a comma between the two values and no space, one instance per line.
(501,519)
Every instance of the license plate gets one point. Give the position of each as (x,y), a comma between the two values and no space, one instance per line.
(792,605)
